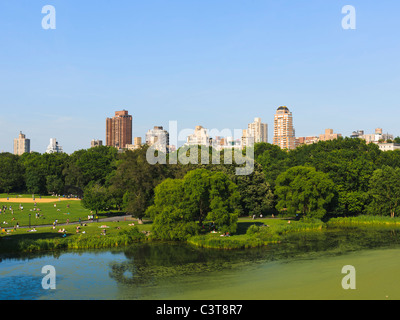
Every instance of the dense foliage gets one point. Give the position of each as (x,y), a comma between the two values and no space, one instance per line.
(183,206)
(305,190)
(343,177)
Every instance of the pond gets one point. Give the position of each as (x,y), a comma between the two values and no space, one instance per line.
(304,266)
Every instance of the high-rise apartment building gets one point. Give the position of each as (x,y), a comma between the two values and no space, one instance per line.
(53,147)
(22,145)
(137,144)
(284,134)
(329,135)
(199,137)
(96,143)
(119,130)
(306,140)
(376,137)
(255,132)
(158,138)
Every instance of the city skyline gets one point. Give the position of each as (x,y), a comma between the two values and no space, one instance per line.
(122,119)
(218,64)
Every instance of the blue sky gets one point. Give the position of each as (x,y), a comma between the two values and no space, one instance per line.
(215,63)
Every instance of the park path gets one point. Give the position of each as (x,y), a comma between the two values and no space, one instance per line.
(110,219)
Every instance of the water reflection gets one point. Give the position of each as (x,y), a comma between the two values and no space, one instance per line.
(168,270)
(150,264)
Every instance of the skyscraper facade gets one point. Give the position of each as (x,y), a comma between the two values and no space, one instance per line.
(53,147)
(159,138)
(22,145)
(284,134)
(119,130)
(96,143)
(199,137)
(329,135)
(255,132)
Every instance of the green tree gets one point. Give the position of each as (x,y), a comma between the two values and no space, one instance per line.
(54,184)
(212,196)
(172,218)
(351,202)
(272,159)
(94,164)
(182,205)
(134,180)
(385,191)
(38,167)
(256,196)
(389,158)
(349,163)
(35,182)
(96,198)
(11,173)
(304,190)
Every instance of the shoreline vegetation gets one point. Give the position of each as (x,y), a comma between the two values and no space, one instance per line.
(251,234)
(202,203)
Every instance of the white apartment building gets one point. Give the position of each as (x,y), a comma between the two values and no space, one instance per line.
(158,138)
(199,137)
(255,132)
(372,137)
(53,147)
(389,146)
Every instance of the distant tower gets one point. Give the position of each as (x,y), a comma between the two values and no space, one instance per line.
(284,134)
(54,147)
(22,145)
(159,138)
(96,143)
(119,130)
(256,132)
(199,137)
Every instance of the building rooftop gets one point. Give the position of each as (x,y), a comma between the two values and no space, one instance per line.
(283,108)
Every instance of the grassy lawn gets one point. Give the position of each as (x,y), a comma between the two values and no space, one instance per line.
(265,231)
(90,236)
(45,213)
(250,233)
(89,229)
(118,233)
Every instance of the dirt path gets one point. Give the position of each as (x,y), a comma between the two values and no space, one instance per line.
(37,200)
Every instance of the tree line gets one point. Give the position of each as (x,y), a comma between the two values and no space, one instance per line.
(56,173)
(338,177)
